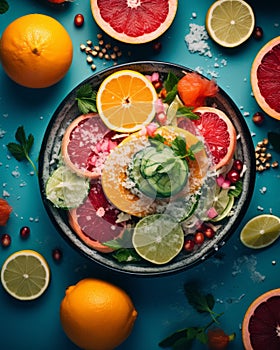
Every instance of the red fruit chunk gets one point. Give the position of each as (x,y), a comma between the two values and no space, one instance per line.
(5,211)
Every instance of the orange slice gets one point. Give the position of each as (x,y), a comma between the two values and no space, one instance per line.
(126,101)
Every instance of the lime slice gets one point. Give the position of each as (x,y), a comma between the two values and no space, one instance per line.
(261,231)
(65,189)
(25,275)
(221,200)
(158,238)
(226,211)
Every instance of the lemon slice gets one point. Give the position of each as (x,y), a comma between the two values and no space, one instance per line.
(25,275)
(125,101)
(261,231)
(158,238)
(65,189)
(230,22)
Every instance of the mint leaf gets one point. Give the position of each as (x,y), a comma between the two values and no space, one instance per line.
(21,150)
(200,302)
(171,82)
(86,99)
(274,140)
(235,192)
(126,255)
(187,112)
(4,6)
(179,146)
(170,95)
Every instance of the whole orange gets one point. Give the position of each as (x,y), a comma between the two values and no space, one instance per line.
(36,51)
(97,315)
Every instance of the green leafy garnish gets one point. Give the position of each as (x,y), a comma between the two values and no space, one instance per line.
(187,112)
(4,6)
(86,98)
(170,85)
(274,140)
(179,147)
(202,303)
(235,192)
(21,150)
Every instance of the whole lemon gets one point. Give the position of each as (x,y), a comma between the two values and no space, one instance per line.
(36,51)
(97,315)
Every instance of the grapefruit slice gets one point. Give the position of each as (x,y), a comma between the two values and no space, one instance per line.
(261,323)
(86,144)
(218,132)
(95,220)
(193,89)
(126,100)
(134,21)
(265,78)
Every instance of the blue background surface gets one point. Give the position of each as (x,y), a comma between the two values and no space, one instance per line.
(235,276)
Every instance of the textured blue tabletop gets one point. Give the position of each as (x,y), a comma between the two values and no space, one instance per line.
(235,276)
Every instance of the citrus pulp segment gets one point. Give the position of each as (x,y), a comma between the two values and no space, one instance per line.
(36,51)
(158,238)
(230,22)
(218,132)
(66,189)
(95,220)
(25,275)
(134,21)
(126,101)
(261,231)
(260,326)
(85,145)
(265,78)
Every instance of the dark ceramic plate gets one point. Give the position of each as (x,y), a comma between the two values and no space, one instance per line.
(68,111)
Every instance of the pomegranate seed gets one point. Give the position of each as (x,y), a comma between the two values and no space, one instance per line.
(57,254)
(199,238)
(237,165)
(5,240)
(79,20)
(189,245)
(24,232)
(233,176)
(209,232)
(157,46)
(258,33)
(258,118)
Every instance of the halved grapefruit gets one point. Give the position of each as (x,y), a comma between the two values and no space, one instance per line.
(261,323)
(218,132)
(265,78)
(95,220)
(86,144)
(134,21)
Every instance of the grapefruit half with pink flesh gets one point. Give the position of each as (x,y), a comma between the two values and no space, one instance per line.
(265,78)
(134,21)
(95,220)
(261,323)
(86,144)
(218,132)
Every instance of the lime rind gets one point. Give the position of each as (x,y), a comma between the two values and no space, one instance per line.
(65,189)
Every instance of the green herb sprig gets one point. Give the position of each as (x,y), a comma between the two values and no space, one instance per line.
(21,150)
(4,6)
(86,99)
(202,303)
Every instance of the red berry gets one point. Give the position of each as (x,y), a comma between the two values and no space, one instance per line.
(79,20)
(24,232)
(189,245)
(57,254)
(238,165)
(199,238)
(258,118)
(209,232)
(233,176)
(5,240)
(258,33)
(218,339)
(157,46)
